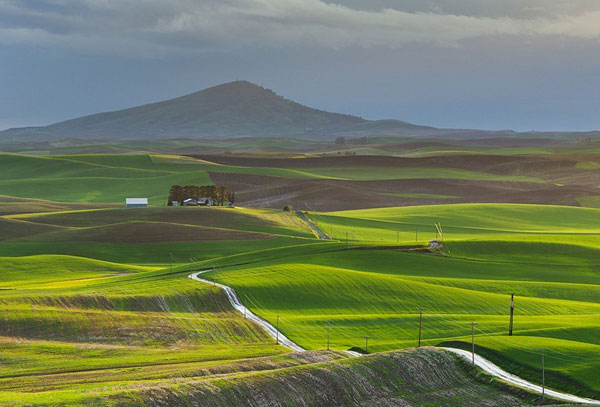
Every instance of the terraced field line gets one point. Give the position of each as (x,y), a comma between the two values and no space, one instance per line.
(237,304)
(314,227)
(494,370)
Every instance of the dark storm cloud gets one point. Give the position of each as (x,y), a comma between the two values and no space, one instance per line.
(154,27)
(523,64)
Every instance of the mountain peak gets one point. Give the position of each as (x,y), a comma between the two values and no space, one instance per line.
(233,109)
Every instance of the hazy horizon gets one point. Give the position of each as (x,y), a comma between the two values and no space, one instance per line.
(521,65)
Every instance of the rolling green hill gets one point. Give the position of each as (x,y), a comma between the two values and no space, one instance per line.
(96,305)
(104,178)
(547,256)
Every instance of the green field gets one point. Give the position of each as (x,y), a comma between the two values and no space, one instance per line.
(96,306)
(104,178)
(546,256)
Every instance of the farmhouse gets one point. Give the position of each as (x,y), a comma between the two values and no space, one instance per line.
(205,202)
(136,202)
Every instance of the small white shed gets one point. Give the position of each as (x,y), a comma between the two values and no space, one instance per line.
(136,202)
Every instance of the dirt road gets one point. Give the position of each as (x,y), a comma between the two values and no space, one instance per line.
(314,227)
(495,371)
(481,362)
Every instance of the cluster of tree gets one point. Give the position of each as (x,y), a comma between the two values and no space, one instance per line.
(219,195)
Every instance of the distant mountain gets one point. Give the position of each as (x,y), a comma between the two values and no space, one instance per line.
(231,110)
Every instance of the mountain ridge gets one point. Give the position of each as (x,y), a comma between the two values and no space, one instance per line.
(237,108)
(232,110)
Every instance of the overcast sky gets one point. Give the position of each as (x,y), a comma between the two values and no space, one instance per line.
(493,64)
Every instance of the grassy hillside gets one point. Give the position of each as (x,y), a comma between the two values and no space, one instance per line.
(151,235)
(104,178)
(546,256)
(83,332)
(93,311)
(463,221)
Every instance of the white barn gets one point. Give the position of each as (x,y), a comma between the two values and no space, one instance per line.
(136,202)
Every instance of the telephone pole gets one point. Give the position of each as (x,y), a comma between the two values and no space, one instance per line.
(543,376)
(277,329)
(397,237)
(512,312)
(420,323)
(473,341)
(171,261)
(346,240)
(417,235)
(366,344)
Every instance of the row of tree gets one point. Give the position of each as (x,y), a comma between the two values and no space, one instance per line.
(219,195)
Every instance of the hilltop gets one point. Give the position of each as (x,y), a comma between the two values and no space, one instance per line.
(232,109)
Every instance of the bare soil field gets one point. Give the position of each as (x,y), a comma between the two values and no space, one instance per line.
(152,232)
(12,228)
(495,164)
(12,205)
(328,195)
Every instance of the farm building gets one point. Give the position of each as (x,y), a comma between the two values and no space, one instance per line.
(136,202)
(199,202)
(205,202)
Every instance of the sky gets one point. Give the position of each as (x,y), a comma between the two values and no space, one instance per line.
(487,64)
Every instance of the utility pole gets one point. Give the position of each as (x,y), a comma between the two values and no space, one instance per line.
(417,235)
(346,240)
(543,376)
(512,312)
(420,323)
(328,333)
(473,342)
(171,261)
(277,329)
(397,237)
(366,344)
(214,276)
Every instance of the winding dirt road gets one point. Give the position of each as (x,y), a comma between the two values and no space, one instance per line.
(237,304)
(314,227)
(503,375)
